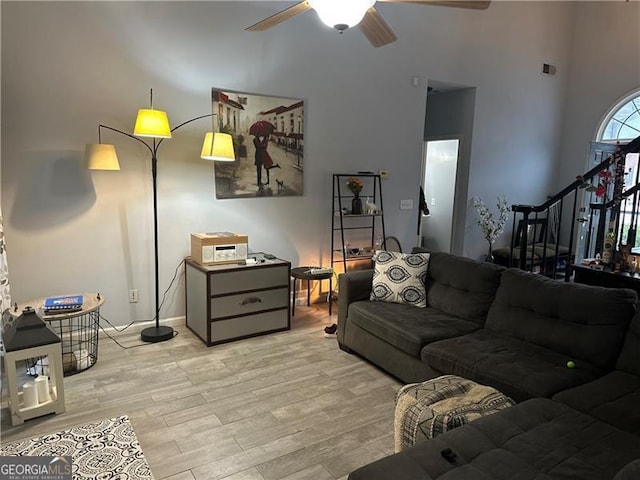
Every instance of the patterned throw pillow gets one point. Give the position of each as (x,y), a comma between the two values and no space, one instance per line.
(400,278)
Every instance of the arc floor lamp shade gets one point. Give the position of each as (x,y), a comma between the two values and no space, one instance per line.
(152,123)
(218,146)
(101,156)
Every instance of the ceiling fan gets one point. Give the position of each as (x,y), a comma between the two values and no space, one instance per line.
(342,14)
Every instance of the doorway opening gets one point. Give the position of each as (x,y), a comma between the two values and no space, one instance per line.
(441,165)
(446,163)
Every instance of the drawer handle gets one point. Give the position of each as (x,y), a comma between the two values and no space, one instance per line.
(250,300)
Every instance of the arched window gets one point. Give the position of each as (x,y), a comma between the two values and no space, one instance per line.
(623,122)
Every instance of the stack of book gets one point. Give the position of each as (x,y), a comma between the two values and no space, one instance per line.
(66,304)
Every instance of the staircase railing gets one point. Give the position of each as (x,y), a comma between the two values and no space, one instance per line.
(537,236)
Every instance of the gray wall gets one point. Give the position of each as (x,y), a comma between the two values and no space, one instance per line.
(93,62)
(605,66)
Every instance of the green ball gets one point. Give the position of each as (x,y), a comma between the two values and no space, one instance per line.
(571,364)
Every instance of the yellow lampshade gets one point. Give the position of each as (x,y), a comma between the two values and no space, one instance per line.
(152,123)
(100,156)
(218,147)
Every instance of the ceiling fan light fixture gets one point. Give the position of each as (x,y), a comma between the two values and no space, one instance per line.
(341,14)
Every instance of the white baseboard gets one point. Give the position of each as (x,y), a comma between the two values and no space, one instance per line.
(138,326)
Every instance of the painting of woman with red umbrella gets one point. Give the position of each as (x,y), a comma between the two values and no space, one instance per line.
(261,131)
(276,127)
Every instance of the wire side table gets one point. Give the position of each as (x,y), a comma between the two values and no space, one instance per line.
(78,332)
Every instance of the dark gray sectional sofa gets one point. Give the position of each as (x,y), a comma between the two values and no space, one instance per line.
(514,331)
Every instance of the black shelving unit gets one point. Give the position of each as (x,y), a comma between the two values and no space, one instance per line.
(343,224)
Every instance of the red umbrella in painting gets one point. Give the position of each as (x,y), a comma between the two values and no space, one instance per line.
(261,128)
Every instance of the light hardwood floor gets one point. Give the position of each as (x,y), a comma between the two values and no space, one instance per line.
(289,405)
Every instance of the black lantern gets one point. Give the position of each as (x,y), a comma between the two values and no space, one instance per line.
(26,331)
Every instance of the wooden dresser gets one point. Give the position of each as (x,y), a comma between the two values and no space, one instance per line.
(230,302)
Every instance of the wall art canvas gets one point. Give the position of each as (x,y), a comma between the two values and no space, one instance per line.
(268,138)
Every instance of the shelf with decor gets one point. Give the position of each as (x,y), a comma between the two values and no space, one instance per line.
(351,258)
(357,216)
(350,215)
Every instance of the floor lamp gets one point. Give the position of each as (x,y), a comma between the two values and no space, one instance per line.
(154,124)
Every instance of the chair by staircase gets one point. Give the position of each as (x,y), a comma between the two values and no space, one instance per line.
(541,256)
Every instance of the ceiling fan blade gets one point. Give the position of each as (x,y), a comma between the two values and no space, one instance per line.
(473,4)
(280,17)
(376,29)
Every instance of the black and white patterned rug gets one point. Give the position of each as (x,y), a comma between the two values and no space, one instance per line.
(102,450)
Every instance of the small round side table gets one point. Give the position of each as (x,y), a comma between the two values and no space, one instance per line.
(77,330)
(304,273)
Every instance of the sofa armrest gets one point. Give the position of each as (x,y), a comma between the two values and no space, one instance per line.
(352,287)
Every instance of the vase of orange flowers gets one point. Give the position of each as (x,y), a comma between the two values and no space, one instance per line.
(355,185)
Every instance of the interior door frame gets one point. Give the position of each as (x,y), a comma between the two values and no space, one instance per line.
(436,138)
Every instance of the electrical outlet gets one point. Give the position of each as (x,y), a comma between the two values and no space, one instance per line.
(133,296)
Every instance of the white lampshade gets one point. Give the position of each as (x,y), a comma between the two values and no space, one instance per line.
(101,156)
(218,146)
(152,123)
(336,13)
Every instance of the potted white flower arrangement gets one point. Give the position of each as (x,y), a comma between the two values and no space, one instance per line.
(491,228)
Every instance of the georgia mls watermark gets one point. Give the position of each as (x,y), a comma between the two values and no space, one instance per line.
(35,468)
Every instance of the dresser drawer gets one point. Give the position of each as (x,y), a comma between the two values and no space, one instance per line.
(245,303)
(247,279)
(223,330)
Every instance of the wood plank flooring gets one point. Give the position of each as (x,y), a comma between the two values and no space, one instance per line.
(289,405)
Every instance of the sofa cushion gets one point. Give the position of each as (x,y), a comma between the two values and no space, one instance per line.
(517,368)
(629,358)
(535,440)
(461,287)
(400,278)
(613,398)
(406,327)
(580,321)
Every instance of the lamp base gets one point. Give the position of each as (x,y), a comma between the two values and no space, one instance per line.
(156,334)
